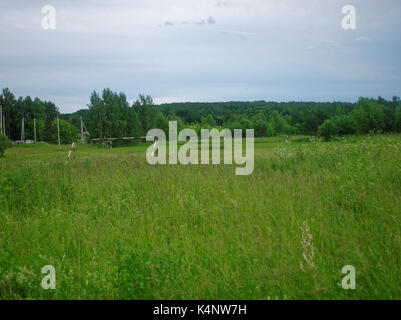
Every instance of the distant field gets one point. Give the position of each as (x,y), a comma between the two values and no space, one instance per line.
(116,227)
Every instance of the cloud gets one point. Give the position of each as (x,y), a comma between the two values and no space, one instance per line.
(201,22)
(172,99)
(241,49)
(362,39)
(323,44)
(222,3)
(211,20)
(330,43)
(238,33)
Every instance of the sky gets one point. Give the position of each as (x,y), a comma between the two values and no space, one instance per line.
(201,50)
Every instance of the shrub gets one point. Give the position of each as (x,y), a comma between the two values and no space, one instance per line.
(336,126)
(344,124)
(4,144)
(327,129)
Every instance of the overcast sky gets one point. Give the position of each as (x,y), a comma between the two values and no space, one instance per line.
(201,50)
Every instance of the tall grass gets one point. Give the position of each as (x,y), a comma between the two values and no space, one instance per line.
(116,227)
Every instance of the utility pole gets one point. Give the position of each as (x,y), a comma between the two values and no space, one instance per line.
(82,131)
(23,129)
(1,118)
(58,130)
(34,129)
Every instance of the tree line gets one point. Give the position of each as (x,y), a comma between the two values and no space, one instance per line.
(45,114)
(109,114)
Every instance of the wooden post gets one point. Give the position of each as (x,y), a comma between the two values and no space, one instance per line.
(72,149)
(155,145)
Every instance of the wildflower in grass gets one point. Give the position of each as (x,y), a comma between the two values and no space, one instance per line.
(307,246)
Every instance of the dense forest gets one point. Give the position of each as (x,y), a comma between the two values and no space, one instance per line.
(109,114)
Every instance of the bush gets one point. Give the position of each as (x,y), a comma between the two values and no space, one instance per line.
(344,124)
(337,126)
(4,144)
(327,129)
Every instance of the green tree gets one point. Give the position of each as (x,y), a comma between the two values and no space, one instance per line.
(134,125)
(161,122)
(11,112)
(327,130)
(337,125)
(277,122)
(344,124)
(68,133)
(270,132)
(97,116)
(208,122)
(51,114)
(368,116)
(173,117)
(146,111)
(259,123)
(246,123)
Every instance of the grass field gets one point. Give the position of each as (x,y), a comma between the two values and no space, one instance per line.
(115,227)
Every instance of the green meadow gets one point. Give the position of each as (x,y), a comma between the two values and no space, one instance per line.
(115,227)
